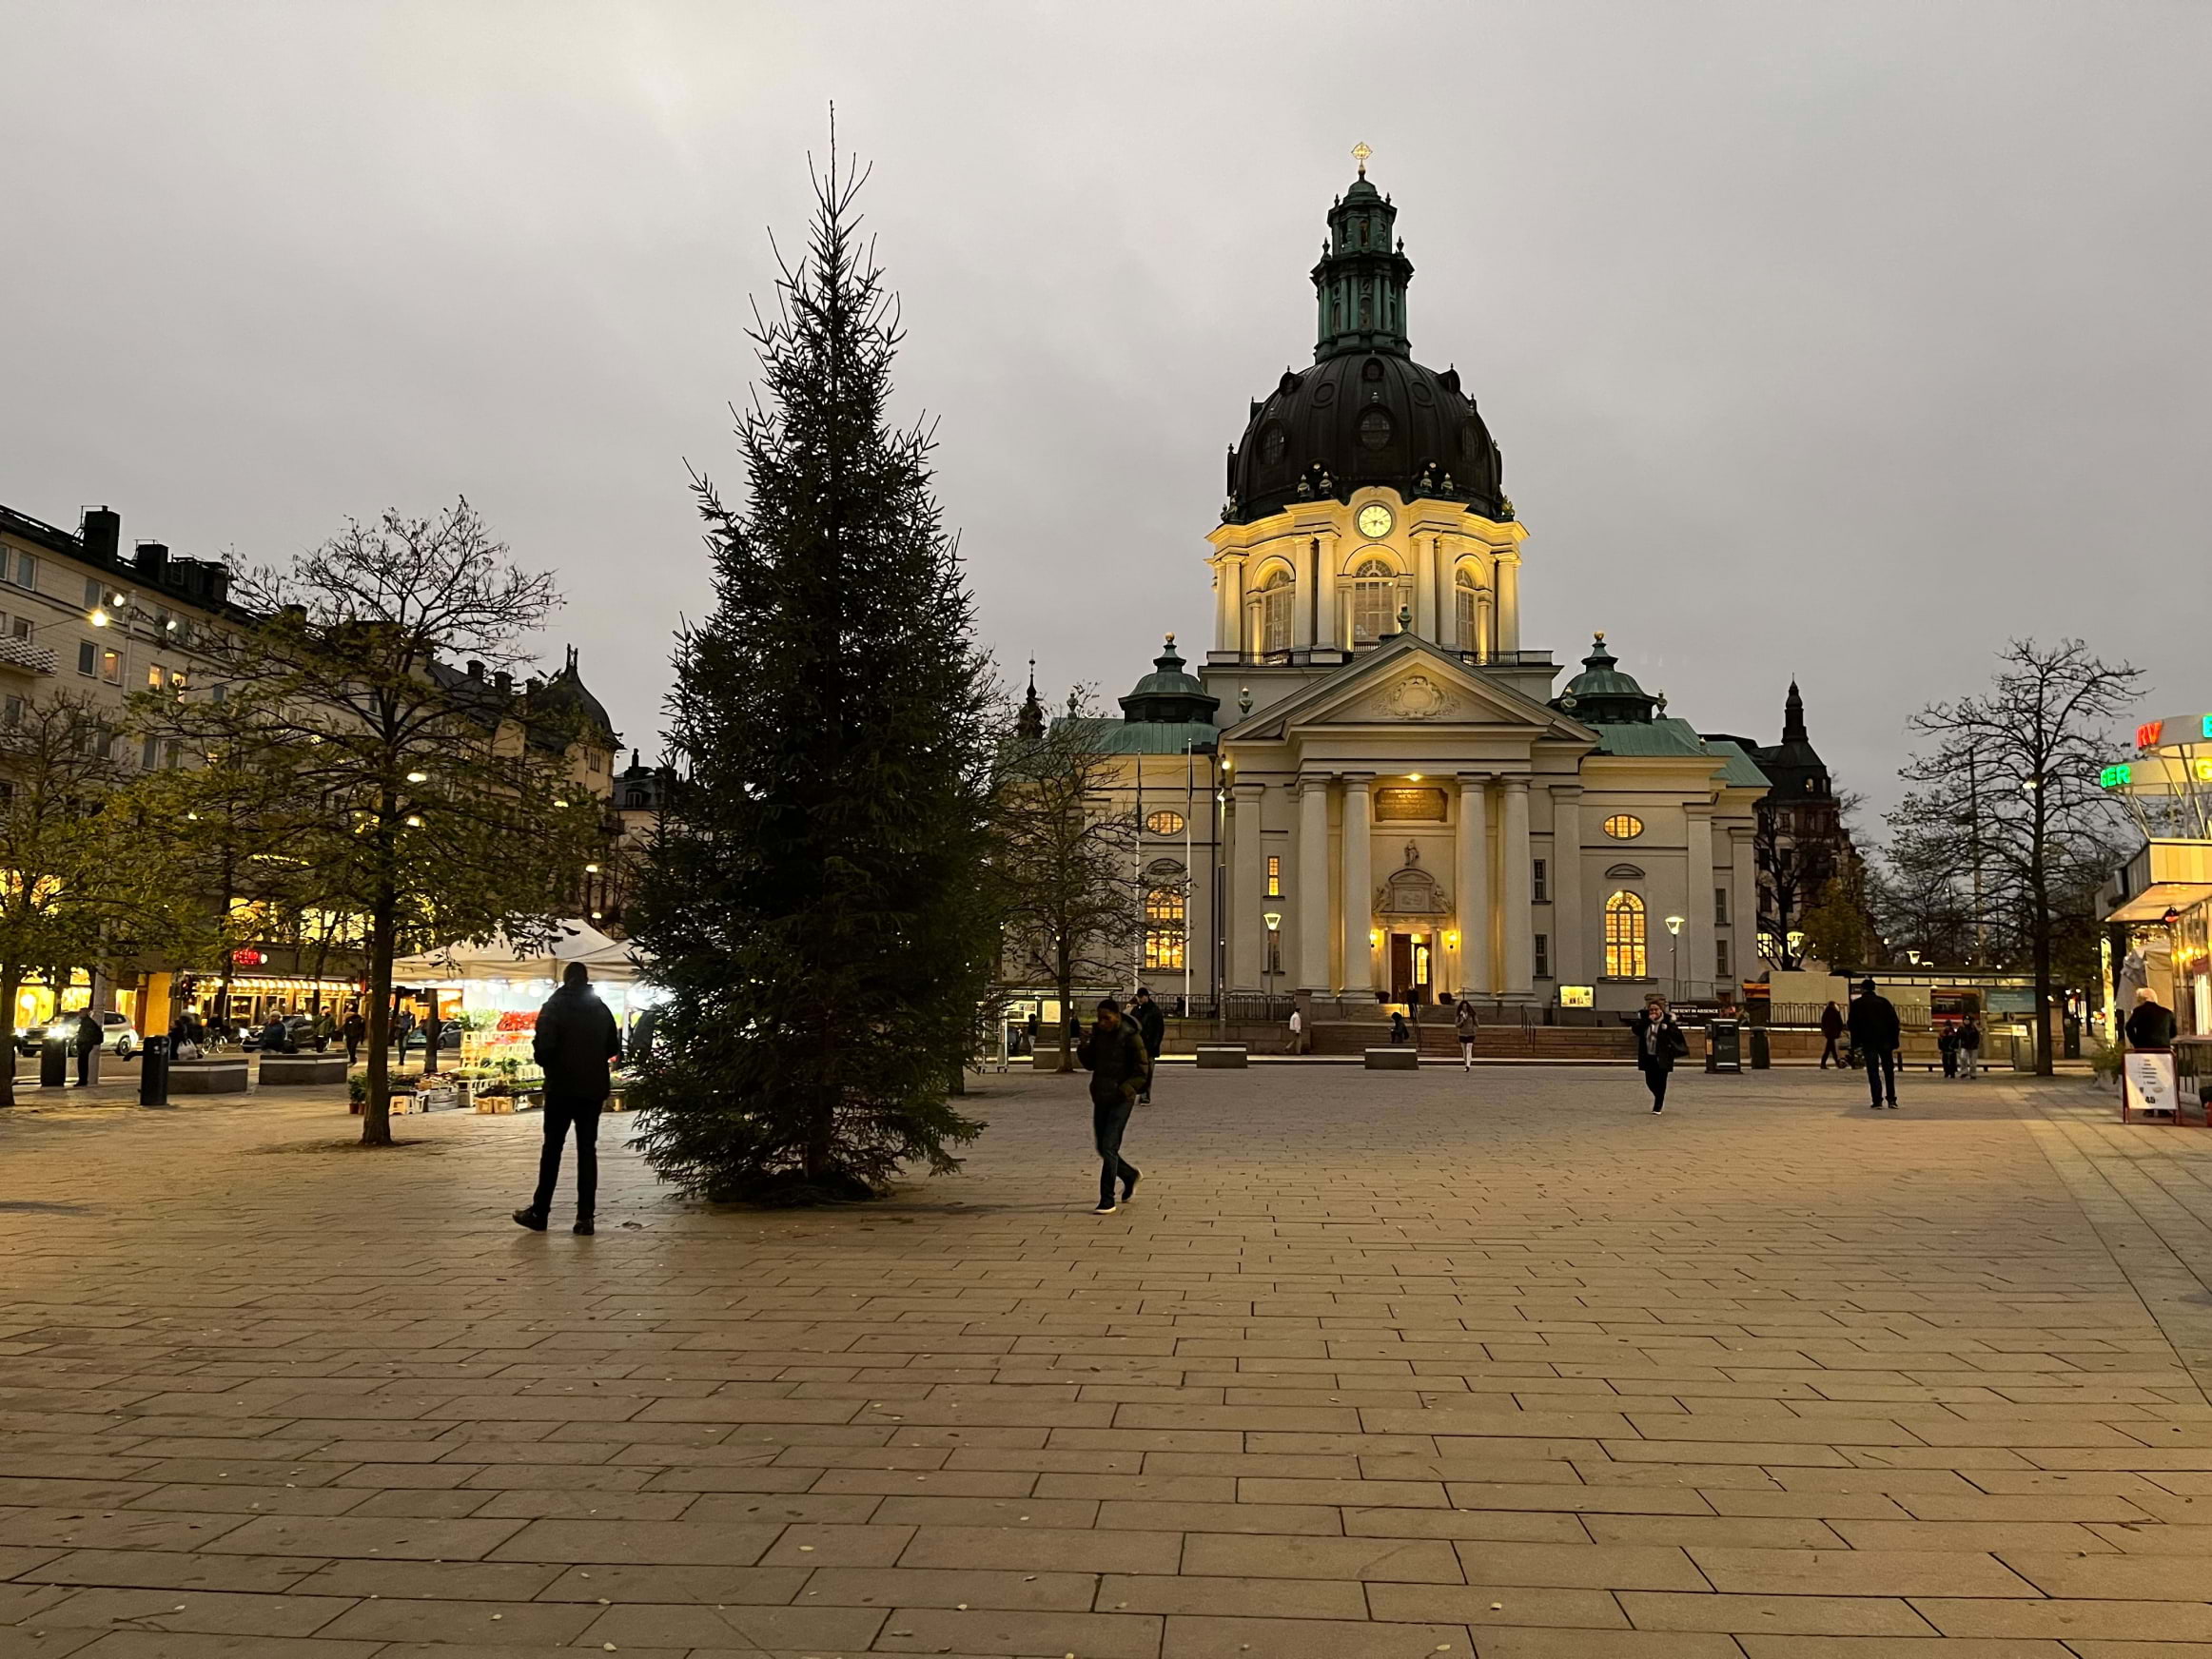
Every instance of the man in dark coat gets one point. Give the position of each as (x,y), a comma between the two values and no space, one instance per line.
(1113,1052)
(1152,1027)
(577,1042)
(1831,1028)
(354,1029)
(1875,1034)
(2150,1023)
(89,1037)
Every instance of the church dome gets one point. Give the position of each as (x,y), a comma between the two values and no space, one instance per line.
(1168,694)
(1365,413)
(1603,695)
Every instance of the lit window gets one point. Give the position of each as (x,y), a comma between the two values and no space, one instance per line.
(1164,823)
(1373,601)
(1274,876)
(155,679)
(1466,610)
(111,667)
(1624,826)
(1164,926)
(1275,596)
(1624,937)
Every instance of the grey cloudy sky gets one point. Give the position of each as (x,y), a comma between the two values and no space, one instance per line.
(1835,340)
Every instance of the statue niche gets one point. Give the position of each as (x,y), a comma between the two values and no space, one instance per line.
(1412,891)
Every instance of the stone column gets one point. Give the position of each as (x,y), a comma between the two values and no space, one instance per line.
(1570,934)
(1471,884)
(1247,884)
(1743,915)
(1329,629)
(1311,878)
(1229,627)
(1507,602)
(1424,587)
(1358,885)
(1519,945)
(1697,905)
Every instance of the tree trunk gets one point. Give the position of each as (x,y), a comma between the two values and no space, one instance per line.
(376,1118)
(10,985)
(2043,990)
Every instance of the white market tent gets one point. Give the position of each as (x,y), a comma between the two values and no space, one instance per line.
(609,959)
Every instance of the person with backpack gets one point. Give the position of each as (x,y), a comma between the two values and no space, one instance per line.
(1465,1023)
(1113,1052)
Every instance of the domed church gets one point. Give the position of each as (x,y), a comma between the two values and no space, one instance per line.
(1406,805)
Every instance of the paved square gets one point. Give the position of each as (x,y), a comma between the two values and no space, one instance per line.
(1376,1365)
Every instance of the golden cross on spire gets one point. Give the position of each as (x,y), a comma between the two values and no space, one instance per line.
(1359,153)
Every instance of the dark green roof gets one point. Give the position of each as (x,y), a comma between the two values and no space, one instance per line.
(1669,737)
(1145,737)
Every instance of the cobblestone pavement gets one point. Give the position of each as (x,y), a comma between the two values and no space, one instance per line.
(1375,1366)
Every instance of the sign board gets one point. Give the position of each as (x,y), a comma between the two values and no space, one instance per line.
(1403,805)
(2148,1079)
(1577,996)
(1724,1045)
(2008,1000)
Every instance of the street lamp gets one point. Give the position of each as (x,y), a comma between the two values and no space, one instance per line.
(1274,921)
(1674,959)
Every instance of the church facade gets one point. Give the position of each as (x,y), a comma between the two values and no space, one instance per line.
(1399,802)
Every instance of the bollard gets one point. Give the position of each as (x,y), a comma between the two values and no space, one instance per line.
(154,1073)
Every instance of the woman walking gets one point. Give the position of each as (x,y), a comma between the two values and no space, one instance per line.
(1464,1026)
(1660,1043)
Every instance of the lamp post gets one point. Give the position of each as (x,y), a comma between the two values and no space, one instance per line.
(1674,959)
(1274,921)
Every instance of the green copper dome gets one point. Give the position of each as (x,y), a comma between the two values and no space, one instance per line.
(1170,695)
(1603,695)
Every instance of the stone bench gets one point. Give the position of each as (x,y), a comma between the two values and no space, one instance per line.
(1399,1057)
(208,1076)
(296,1071)
(1221,1056)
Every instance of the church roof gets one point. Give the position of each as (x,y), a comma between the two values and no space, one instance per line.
(1145,737)
(1601,694)
(1668,735)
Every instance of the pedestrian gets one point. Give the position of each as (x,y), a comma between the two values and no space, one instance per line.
(1297,1030)
(275,1037)
(642,1033)
(325,1031)
(402,1028)
(1948,1045)
(1464,1026)
(577,1042)
(354,1028)
(1398,1034)
(1875,1031)
(1831,1028)
(2150,1023)
(89,1037)
(1660,1043)
(1113,1052)
(1970,1048)
(1152,1027)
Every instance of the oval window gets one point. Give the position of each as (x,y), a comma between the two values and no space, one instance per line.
(1624,826)
(1165,823)
(1375,429)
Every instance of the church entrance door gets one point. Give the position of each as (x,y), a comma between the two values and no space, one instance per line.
(1411,968)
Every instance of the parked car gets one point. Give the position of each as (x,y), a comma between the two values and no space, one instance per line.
(117,1035)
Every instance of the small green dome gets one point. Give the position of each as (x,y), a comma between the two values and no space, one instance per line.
(1170,695)
(1601,694)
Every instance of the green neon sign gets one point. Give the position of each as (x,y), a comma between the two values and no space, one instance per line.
(2118,777)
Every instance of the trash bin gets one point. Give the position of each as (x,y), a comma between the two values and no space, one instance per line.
(1724,1045)
(154,1073)
(54,1060)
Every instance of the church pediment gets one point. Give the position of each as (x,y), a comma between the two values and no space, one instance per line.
(1409,683)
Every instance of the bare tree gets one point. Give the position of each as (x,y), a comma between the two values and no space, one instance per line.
(442,804)
(1066,857)
(2035,826)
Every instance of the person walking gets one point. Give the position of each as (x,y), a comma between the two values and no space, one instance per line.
(354,1029)
(402,1028)
(1875,1032)
(577,1042)
(1464,1026)
(1297,1031)
(1970,1048)
(89,1037)
(1152,1027)
(1660,1043)
(325,1031)
(2150,1023)
(1398,1033)
(1113,1052)
(1948,1045)
(1831,1028)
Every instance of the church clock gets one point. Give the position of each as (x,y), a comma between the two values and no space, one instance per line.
(1375,521)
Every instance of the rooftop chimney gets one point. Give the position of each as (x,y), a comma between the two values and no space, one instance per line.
(475,671)
(152,560)
(102,533)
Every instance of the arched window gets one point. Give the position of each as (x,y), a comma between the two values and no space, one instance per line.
(1272,603)
(1624,937)
(1374,600)
(1467,609)
(1163,924)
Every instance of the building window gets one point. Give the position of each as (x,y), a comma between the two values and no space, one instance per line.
(1624,937)
(1466,610)
(1373,601)
(111,667)
(1274,606)
(1164,926)
(174,754)
(1163,822)
(11,714)
(155,679)
(20,628)
(87,657)
(1720,907)
(94,593)
(149,754)
(1544,966)
(1375,429)
(1624,826)
(1539,882)
(1720,958)
(1274,876)
(26,569)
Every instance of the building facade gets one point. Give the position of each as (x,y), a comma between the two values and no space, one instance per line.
(1406,808)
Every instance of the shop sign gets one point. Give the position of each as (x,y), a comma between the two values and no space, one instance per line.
(1577,996)
(246,956)
(2150,1081)
(2116,778)
(2148,734)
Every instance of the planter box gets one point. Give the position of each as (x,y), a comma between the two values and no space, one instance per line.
(1401,1057)
(208,1076)
(300,1070)
(1221,1056)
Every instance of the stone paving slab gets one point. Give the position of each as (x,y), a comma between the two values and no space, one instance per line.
(1374,1367)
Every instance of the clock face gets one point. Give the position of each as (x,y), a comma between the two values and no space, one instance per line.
(1375,521)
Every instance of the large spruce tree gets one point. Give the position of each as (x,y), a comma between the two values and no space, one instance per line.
(813,905)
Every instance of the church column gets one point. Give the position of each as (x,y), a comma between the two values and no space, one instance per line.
(1471,878)
(1230,624)
(1570,938)
(1312,876)
(1484,644)
(1247,877)
(1519,945)
(1330,628)
(1697,906)
(1359,886)
(1507,602)
(1743,906)
(1424,587)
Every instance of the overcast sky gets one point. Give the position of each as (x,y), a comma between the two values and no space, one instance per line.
(1840,341)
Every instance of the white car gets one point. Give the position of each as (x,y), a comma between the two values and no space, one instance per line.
(117,1035)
